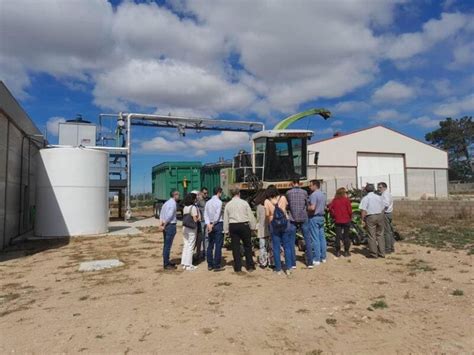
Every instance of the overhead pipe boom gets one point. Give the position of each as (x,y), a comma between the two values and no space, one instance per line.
(285,123)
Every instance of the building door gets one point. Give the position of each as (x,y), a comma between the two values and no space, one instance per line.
(389,168)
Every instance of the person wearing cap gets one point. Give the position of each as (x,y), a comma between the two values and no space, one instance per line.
(372,213)
(168,223)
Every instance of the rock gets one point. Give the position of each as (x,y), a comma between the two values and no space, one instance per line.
(97,265)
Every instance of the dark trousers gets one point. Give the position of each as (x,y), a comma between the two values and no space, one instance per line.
(169,232)
(241,232)
(214,250)
(342,233)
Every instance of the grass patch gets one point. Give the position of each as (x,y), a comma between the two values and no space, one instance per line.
(420,265)
(331,321)
(302,311)
(225,283)
(446,236)
(380,304)
(458,292)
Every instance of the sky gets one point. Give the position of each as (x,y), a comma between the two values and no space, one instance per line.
(403,64)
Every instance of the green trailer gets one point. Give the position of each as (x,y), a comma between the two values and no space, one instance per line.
(183,176)
(211,175)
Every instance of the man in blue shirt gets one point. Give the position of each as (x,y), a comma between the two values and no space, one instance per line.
(215,226)
(316,209)
(168,221)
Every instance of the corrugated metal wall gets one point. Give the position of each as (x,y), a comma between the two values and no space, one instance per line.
(18,155)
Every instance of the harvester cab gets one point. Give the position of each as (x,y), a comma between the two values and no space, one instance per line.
(278,156)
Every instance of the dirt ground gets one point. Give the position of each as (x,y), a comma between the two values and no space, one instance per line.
(418,300)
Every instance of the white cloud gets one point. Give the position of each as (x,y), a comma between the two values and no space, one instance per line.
(389,115)
(169,84)
(350,106)
(456,107)
(425,122)
(394,92)
(52,125)
(443,87)
(146,55)
(198,146)
(434,31)
(463,56)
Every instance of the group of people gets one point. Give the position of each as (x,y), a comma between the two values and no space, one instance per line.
(279,216)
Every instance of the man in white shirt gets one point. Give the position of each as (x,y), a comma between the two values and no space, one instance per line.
(239,221)
(168,221)
(372,213)
(388,228)
(214,225)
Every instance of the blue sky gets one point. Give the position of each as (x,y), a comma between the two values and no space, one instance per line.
(403,64)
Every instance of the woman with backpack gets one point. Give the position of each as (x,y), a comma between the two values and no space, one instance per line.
(341,211)
(191,217)
(275,210)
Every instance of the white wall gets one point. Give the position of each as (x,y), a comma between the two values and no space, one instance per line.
(342,151)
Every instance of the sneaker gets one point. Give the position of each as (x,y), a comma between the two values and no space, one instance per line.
(287,272)
(310,266)
(316,263)
(190,268)
(347,254)
(170,267)
(210,268)
(323,261)
(279,272)
(218,269)
(293,267)
(337,254)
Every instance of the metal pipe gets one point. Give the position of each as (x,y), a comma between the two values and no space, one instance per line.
(112,149)
(128,213)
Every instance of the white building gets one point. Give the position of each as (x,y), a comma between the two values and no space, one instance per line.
(410,167)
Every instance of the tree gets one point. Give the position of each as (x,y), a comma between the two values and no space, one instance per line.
(457,138)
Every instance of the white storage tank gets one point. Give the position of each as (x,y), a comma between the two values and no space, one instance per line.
(72,192)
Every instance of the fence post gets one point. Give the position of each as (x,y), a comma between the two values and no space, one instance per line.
(335,183)
(389,183)
(434,182)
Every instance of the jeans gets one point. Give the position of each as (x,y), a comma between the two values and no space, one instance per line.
(214,249)
(279,239)
(168,233)
(308,241)
(316,229)
(189,239)
(241,232)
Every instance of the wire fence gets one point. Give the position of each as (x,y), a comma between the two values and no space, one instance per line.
(415,184)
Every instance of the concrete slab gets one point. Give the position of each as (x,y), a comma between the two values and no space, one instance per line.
(97,265)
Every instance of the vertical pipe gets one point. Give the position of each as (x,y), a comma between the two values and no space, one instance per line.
(128,214)
(6,187)
(434,182)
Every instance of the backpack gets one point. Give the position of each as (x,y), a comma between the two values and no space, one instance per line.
(279,222)
(188,220)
